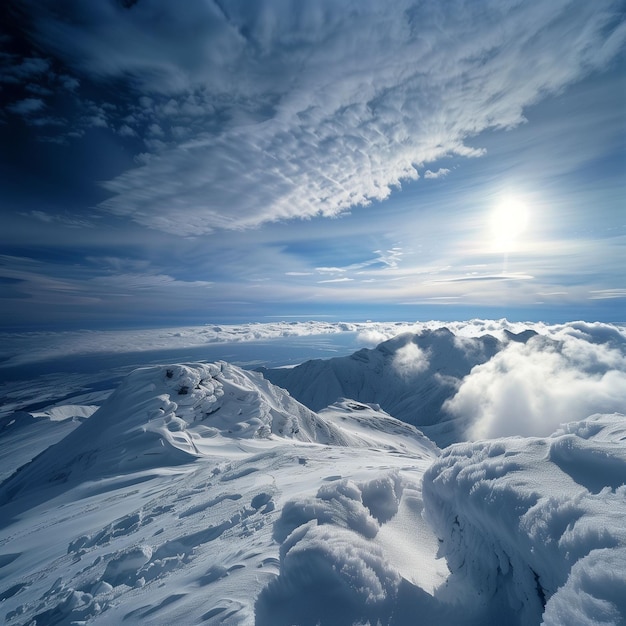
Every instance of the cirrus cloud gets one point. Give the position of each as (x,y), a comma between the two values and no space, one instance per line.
(277,110)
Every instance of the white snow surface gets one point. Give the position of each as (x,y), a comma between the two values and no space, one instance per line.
(175,503)
(201,493)
(540,520)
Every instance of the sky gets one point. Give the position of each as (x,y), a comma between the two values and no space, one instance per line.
(231,161)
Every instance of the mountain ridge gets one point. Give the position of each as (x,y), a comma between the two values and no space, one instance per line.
(410,376)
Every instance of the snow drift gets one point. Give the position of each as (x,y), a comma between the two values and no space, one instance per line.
(535,518)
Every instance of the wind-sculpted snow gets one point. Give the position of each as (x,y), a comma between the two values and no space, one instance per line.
(163,416)
(540,520)
(156,530)
(325,551)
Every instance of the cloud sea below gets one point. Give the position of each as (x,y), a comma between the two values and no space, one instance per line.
(315,473)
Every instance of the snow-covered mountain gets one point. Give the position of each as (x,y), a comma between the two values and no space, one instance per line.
(190,477)
(410,376)
(204,494)
(161,416)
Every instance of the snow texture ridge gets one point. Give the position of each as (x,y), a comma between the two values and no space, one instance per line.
(160,416)
(535,518)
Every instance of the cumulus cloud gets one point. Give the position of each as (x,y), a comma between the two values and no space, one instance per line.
(440,173)
(16,71)
(69,83)
(530,389)
(410,360)
(373,336)
(275,110)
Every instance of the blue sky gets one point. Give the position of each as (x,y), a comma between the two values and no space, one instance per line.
(232,161)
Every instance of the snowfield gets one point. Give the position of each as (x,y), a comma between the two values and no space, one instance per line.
(202,493)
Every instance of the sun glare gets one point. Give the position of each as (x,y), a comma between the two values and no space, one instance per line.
(508,221)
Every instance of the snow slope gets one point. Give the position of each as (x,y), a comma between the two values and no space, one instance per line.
(24,435)
(201,493)
(171,502)
(160,416)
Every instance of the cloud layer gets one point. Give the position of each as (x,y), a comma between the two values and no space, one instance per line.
(275,110)
(530,389)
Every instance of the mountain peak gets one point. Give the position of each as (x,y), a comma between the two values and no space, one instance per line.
(168,415)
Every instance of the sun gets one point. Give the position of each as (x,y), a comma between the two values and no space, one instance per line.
(508,221)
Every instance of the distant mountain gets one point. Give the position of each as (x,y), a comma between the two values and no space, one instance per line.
(409,376)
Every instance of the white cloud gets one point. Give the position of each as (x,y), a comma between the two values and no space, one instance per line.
(607,294)
(38,90)
(297,110)
(440,173)
(389,258)
(126,131)
(382,261)
(69,82)
(373,336)
(330,270)
(17,70)
(66,220)
(476,277)
(343,279)
(27,106)
(410,360)
(530,389)
(132,282)
(32,347)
